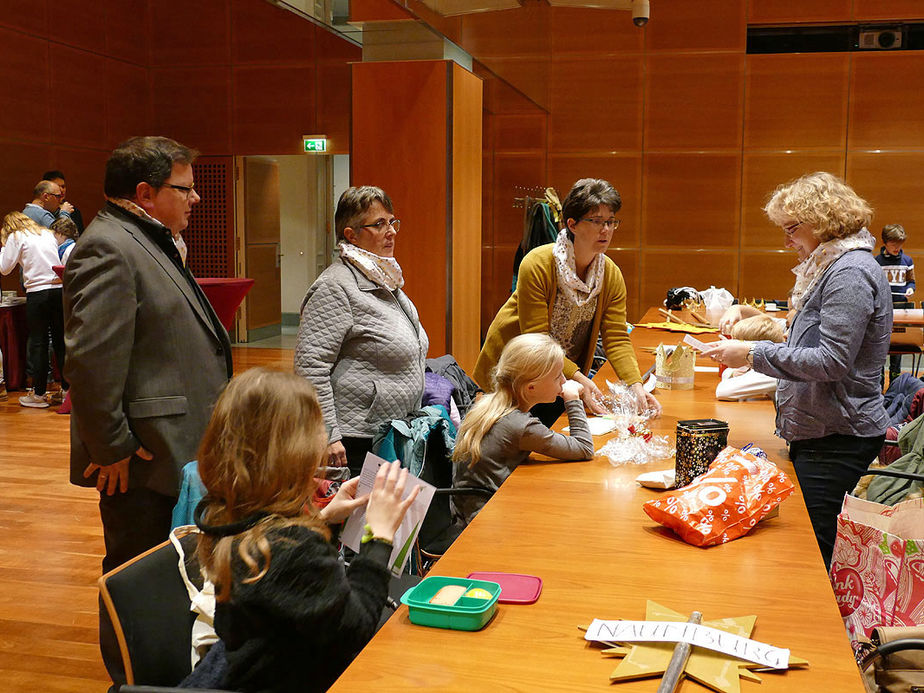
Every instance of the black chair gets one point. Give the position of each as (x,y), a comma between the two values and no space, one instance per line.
(439,528)
(149,606)
(166,689)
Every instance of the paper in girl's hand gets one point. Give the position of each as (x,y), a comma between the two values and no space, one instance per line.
(406,534)
(695,343)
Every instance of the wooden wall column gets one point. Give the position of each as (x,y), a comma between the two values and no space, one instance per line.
(417,134)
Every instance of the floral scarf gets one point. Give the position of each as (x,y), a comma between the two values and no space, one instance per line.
(810,270)
(384,271)
(132,208)
(570,284)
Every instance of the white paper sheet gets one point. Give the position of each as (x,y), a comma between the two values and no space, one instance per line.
(694,342)
(664,478)
(696,635)
(598,425)
(352,533)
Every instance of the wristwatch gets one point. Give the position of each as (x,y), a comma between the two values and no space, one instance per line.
(750,356)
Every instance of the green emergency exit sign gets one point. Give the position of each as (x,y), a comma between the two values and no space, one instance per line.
(315,145)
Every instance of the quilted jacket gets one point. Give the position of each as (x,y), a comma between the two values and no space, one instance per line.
(364,349)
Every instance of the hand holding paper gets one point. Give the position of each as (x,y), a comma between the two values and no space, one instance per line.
(386,508)
(398,504)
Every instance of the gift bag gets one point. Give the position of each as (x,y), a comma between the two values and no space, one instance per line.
(724,503)
(877,570)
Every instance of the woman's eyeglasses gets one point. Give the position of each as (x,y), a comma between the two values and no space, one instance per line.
(790,229)
(603,223)
(382,223)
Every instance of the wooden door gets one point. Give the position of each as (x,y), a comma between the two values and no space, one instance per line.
(261,244)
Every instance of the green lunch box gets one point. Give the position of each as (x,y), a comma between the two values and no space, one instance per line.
(468,613)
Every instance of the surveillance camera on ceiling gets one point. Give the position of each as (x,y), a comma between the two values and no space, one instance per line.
(640,12)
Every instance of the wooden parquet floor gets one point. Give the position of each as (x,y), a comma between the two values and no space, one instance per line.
(51,547)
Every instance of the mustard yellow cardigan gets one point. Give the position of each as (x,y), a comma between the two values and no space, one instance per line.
(529,309)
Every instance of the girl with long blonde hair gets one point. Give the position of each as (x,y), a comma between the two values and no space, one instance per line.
(499,432)
(35,249)
(290,616)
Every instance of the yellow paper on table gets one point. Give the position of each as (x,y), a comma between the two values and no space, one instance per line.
(678,327)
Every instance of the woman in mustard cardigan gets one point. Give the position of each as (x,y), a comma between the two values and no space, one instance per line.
(573,291)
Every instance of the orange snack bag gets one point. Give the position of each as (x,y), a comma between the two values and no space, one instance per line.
(725,502)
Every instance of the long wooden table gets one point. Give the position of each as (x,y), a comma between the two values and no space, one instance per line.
(908,317)
(581,528)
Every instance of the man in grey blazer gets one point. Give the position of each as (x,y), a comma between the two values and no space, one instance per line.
(147,356)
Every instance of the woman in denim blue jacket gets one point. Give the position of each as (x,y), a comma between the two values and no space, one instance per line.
(829,398)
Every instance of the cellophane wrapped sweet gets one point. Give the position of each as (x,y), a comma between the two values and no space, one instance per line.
(633,442)
(724,503)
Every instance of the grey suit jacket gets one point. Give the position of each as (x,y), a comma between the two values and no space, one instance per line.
(146,355)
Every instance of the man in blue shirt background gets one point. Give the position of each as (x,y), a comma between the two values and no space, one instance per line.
(47,204)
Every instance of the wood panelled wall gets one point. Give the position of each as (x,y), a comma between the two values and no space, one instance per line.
(421,143)
(694,133)
(74,80)
(225,77)
(244,77)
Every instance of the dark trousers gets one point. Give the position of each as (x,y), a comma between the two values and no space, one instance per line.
(895,366)
(827,468)
(44,312)
(356,449)
(133,522)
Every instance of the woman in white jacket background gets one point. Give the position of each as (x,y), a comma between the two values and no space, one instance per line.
(35,249)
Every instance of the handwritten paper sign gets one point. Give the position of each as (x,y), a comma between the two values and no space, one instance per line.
(696,635)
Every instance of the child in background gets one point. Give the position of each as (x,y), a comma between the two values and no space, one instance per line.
(65,232)
(898,267)
(499,432)
(899,272)
(289,615)
(746,383)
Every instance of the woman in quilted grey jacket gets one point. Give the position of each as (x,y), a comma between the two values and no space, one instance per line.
(360,340)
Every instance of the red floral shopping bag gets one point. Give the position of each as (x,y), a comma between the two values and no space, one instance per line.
(877,570)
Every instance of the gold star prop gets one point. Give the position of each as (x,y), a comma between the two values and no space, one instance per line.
(712,669)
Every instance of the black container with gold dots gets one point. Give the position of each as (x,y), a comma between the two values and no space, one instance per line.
(699,441)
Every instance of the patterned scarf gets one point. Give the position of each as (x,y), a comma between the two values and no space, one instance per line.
(809,271)
(570,284)
(132,208)
(384,271)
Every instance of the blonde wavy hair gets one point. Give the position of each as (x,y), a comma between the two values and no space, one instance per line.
(525,359)
(757,328)
(17,221)
(822,200)
(259,454)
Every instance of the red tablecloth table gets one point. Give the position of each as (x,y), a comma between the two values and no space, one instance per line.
(14,334)
(225,294)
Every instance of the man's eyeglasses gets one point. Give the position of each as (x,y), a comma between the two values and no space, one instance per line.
(603,223)
(382,223)
(58,195)
(790,229)
(186,189)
